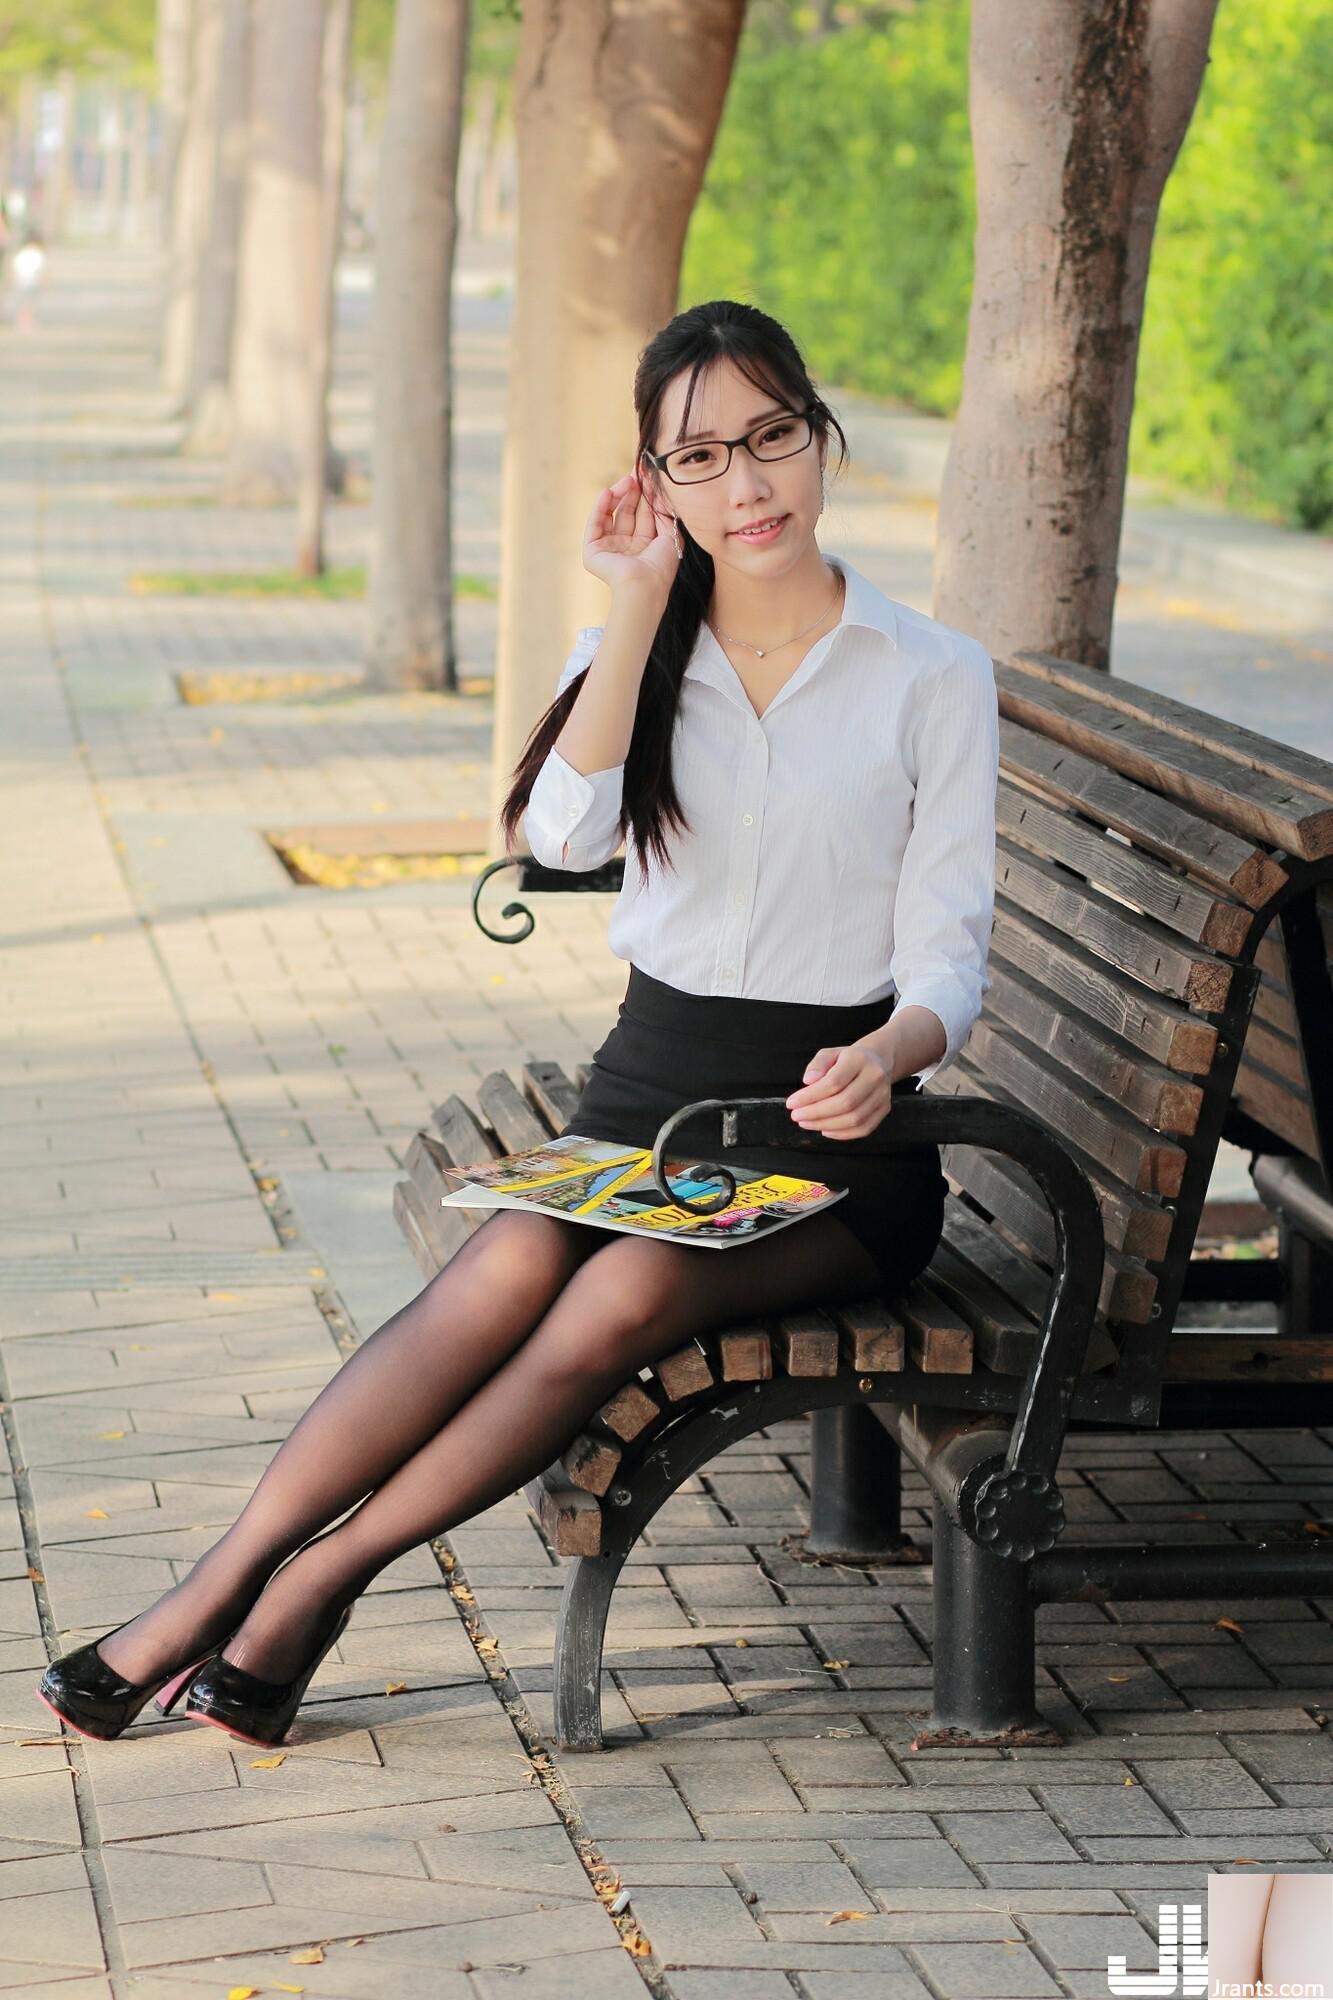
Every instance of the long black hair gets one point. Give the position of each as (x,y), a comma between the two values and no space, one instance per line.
(765,352)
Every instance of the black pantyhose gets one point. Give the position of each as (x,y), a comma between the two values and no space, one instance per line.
(455,1402)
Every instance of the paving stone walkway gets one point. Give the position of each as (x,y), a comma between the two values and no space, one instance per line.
(208,1077)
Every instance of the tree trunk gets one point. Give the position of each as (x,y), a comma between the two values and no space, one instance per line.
(279,301)
(173,32)
(1078,112)
(136,194)
(616,114)
(58,188)
(314,474)
(209,391)
(192,204)
(411,641)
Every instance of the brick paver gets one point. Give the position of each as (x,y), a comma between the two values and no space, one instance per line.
(207,1079)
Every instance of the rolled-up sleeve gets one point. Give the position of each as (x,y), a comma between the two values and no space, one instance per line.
(572,819)
(945,900)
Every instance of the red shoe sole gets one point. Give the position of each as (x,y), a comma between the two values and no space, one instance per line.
(162,1701)
(213,1722)
(87,1734)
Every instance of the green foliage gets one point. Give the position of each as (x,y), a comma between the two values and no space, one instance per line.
(839,198)
(82,35)
(1235,389)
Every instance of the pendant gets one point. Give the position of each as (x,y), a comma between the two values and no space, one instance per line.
(760,651)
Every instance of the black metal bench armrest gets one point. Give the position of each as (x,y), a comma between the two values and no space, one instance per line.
(1018,1487)
(534,876)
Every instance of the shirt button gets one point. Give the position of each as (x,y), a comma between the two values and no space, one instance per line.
(727,971)
(747,819)
(738,900)
(572,812)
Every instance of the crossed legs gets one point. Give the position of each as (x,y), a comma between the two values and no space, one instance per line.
(459,1399)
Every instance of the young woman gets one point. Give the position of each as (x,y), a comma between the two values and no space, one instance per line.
(804,776)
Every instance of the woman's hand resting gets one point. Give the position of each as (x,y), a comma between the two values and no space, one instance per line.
(626,543)
(846,1094)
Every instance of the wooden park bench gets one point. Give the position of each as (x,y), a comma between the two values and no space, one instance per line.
(1160,980)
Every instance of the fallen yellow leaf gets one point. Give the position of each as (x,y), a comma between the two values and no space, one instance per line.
(242,1992)
(850,1917)
(835,1665)
(1118,1678)
(97,1514)
(396,1687)
(35,1576)
(314,1955)
(1228,1625)
(742,1642)
(268,1763)
(112,1434)
(637,1943)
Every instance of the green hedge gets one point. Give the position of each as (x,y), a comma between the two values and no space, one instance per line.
(839,198)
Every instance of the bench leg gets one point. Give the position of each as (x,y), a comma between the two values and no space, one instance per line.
(1305,1307)
(580,1636)
(985,1647)
(855,1490)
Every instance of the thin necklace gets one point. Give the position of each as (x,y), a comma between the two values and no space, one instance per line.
(718,633)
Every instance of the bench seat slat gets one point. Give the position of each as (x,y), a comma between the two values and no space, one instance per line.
(1162,1028)
(745,1352)
(1231,743)
(1269,1100)
(1134,944)
(806,1343)
(940,1340)
(874,1338)
(1009,1194)
(1017,1290)
(1247,800)
(1157,1097)
(1137,1225)
(1211,854)
(1144,1161)
(516,1125)
(1213,921)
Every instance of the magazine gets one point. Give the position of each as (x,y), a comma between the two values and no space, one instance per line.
(611,1186)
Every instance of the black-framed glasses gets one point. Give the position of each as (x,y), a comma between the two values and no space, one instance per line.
(779,436)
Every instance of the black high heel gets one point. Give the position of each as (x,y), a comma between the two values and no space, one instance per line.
(257,1711)
(98,1702)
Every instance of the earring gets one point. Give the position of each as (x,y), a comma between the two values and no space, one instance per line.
(675,531)
(823,496)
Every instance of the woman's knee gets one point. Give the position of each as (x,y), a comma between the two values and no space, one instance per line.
(619,1307)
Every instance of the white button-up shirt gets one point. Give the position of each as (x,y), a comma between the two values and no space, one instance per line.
(841,847)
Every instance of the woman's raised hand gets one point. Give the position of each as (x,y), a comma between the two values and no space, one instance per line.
(626,542)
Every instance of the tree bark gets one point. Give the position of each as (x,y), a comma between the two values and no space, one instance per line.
(192,202)
(314,472)
(411,641)
(58,187)
(172,56)
(616,110)
(209,392)
(278,300)
(1078,111)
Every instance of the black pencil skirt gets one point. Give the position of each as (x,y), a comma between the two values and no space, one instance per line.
(669,1048)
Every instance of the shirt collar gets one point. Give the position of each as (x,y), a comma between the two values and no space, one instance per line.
(863,605)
